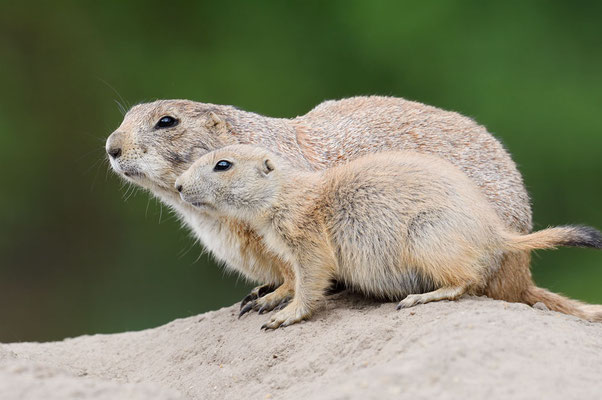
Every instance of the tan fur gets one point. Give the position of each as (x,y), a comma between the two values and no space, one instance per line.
(392,225)
(331,133)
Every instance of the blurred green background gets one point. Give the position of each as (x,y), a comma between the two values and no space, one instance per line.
(81,254)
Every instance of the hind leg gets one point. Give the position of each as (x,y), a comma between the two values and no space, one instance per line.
(445,293)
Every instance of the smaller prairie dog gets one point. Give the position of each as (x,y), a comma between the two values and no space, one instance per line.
(398,225)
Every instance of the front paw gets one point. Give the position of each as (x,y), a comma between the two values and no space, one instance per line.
(276,300)
(256,293)
(291,314)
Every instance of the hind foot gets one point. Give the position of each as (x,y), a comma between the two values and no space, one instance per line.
(446,293)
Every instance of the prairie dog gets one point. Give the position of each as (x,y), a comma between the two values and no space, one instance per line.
(397,225)
(158,141)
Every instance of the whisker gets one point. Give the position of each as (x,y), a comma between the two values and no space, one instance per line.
(125,195)
(132,193)
(100,139)
(94,164)
(122,107)
(183,252)
(198,258)
(98,165)
(107,173)
(126,190)
(171,217)
(146,211)
(87,153)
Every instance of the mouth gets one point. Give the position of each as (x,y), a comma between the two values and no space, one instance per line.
(133,174)
(128,172)
(197,203)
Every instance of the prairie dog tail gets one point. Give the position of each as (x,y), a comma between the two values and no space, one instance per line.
(571,236)
(575,236)
(557,302)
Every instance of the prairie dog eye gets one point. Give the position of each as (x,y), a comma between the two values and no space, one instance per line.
(222,165)
(166,122)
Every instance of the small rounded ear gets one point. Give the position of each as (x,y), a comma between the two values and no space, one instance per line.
(268,166)
(215,122)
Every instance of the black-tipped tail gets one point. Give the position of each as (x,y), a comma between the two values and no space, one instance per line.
(583,236)
(570,235)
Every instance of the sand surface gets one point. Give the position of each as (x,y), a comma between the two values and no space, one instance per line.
(354,348)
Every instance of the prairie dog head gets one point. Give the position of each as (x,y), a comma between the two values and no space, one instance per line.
(239,180)
(158,141)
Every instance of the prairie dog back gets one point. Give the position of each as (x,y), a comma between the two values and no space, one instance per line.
(406,208)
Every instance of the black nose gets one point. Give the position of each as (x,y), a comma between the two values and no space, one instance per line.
(114,152)
(179,188)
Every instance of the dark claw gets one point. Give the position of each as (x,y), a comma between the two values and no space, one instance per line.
(263,310)
(246,309)
(251,296)
(256,293)
(282,304)
(268,328)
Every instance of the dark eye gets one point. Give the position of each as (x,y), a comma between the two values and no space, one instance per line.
(222,165)
(166,122)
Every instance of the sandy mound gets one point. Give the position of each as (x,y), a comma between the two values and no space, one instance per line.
(354,348)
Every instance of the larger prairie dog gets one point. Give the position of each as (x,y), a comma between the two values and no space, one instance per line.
(396,225)
(158,141)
